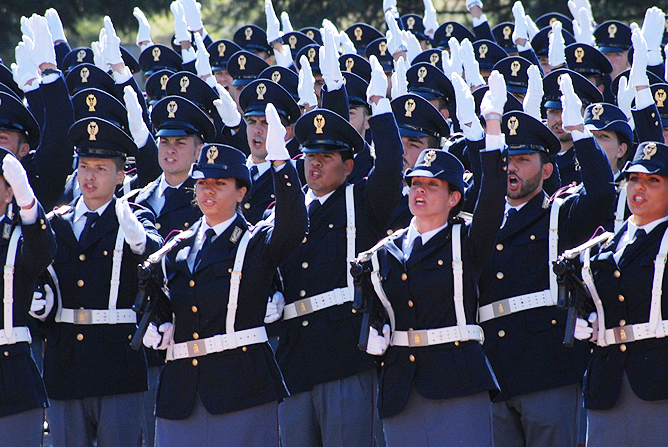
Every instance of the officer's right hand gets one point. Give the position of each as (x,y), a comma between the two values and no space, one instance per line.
(378,344)
(40,47)
(181,33)
(583,328)
(227,108)
(399,82)
(158,338)
(495,98)
(534,96)
(144,27)
(572,106)
(556,53)
(276,150)
(429,20)
(471,65)
(275,307)
(285,22)
(42,303)
(305,88)
(452,62)
(138,128)
(377,88)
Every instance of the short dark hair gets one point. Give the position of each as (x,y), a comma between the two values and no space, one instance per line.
(544,158)
(119,162)
(458,207)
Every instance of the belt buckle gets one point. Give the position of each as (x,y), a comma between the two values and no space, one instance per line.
(82,316)
(501,308)
(304,307)
(623,334)
(417,339)
(196,348)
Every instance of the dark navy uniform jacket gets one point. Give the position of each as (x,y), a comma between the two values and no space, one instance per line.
(95,360)
(244,377)
(258,198)
(322,346)
(421,290)
(627,296)
(525,348)
(21,386)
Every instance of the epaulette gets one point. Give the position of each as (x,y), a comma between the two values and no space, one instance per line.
(366,255)
(58,211)
(464,217)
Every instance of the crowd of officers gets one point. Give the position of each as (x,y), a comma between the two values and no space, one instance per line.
(458,164)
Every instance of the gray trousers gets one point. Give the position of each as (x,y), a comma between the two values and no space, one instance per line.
(23,429)
(459,421)
(340,413)
(631,422)
(543,418)
(114,421)
(148,407)
(256,426)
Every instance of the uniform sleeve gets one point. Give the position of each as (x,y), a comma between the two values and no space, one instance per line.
(648,124)
(39,245)
(148,167)
(336,101)
(140,96)
(153,239)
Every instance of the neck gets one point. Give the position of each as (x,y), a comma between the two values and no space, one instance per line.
(425,224)
(525,199)
(257,160)
(174,179)
(566,146)
(212,221)
(94,204)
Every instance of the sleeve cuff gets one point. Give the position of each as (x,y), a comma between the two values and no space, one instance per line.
(29,216)
(188,55)
(495,141)
(526,47)
(477,21)
(122,78)
(48,79)
(383,106)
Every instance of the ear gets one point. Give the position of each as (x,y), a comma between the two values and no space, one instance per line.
(9,195)
(445,112)
(289,132)
(455,197)
(348,166)
(120,175)
(366,122)
(241,193)
(622,150)
(23,150)
(548,168)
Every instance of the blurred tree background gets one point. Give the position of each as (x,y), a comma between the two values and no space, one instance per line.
(83,18)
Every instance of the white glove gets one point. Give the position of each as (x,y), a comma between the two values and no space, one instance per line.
(275,142)
(98,56)
(327,24)
(470,63)
(180,24)
(283,56)
(202,64)
(466,115)
(399,81)
(273,25)
(665,71)
(520,30)
(306,85)
(26,73)
(395,43)
(347,45)
(191,10)
(329,62)
(572,106)
(144,31)
(55,25)
(25,27)
(574,7)
(158,338)
(652,31)
(227,108)
(532,28)
(638,74)
(626,93)
(582,30)
(495,98)
(390,5)
(583,328)
(285,21)
(534,96)
(41,51)
(42,303)
(275,307)
(138,128)
(378,84)
(378,344)
(452,62)
(17,178)
(471,3)
(413,47)
(111,47)
(556,53)
(135,234)
(429,21)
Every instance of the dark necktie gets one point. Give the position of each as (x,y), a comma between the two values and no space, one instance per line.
(510,214)
(91,217)
(208,238)
(640,233)
(254,172)
(314,206)
(417,246)
(168,193)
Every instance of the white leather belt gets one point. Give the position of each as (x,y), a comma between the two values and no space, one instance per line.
(20,334)
(632,332)
(430,337)
(97,316)
(318,302)
(515,304)
(217,343)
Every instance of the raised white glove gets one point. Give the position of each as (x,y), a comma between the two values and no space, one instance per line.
(520,30)
(347,45)
(574,7)
(273,25)
(285,21)
(466,115)
(227,108)
(306,85)
(327,24)
(471,3)
(495,98)
(329,62)
(532,28)
(283,56)
(534,96)
(98,56)
(181,33)
(111,47)
(584,329)
(378,84)
(429,20)
(158,338)
(275,143)
(556,52)
(135,234)
(638,74)
(378,344)
(202,64)
(41,51)
(399,82)
(144,30)
(626,93)
(275,307)
(138,128)
(582,29)
(470,63)
(25,27)
(17,178)
(191,10)
(395,43)
(390,5)
(665,71)
(452,62)
(413,47)
(652,30)
(26,75)
(572,106)
(42,303)
(55,25)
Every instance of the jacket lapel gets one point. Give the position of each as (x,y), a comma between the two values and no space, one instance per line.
(436,241)
(182,198)
(104,224)
(530,212)
(224,245)
(632,250)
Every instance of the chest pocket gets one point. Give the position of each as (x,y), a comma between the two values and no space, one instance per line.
(533,245)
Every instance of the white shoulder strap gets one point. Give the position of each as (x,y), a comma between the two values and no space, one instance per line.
(553,247)
(235,282)
(621,207)
(350,235)
(116,274)
(8,298)
(458,280)
(52,272)
(127,186)
(588,278)
(655,317)
(378,287)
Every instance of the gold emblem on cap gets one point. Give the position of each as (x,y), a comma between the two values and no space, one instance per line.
(92,131)
(597,111)
(649,151)
(410,22)
(211,155)
(507,31)
(84,73)
(612,30)
(184,83)
(350,63)
(221,49)
(660,97)
(261,90)
(409,106)
(310,34)
(482,51)
(163,82)
(579,54)
(319,123)
(276,76)
(449,28)
(91,101)
(552,20)
(358,33)
(515,68)
(513,124)
(292,40)
(242,62)
(382,47)
(311,55)
(429,158)
(434,58)
(248,33)
(172,107)
(156,54)
(81,55)
(422,73)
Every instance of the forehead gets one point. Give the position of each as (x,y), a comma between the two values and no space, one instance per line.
(256,119)
(178,139)
(531,155)
(91,161)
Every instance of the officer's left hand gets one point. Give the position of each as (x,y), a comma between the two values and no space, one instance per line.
(26,74)
(395,43)
(413,47)
(191,10)
(377,89)
(55,25)
(138,128)
(202,64)
(520,32)
(399,82)
(305,88)
(466,115)
(534,96)
(227,108)
(40,47)
(638,74)
(111,47)
(17,178)
(652,31)
(275,143)
(285,22)
(98,56)
(582,30)
(144,30)
(378,344)
(584,329)
(452,62)
(556,53)
(135,234)
(572,106)
(347,44)
(429,20)
(275,307)
(329,62)
(273,25)
(42,303)
(471,66)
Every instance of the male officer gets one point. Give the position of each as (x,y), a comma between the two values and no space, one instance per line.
(539,377)
(93,377)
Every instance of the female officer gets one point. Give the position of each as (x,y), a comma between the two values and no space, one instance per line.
(221,380)
(626,386)
(435,379)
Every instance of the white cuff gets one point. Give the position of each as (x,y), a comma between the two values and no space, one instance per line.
(188,55)
(29,216)
(48,79)
(495,141)
(527,46)
(383,106)
(139,248)
(474,132)
(211,81)
(334,85)
(577,135)
(123,77)
(477,21)
(644,98)
(654,58)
